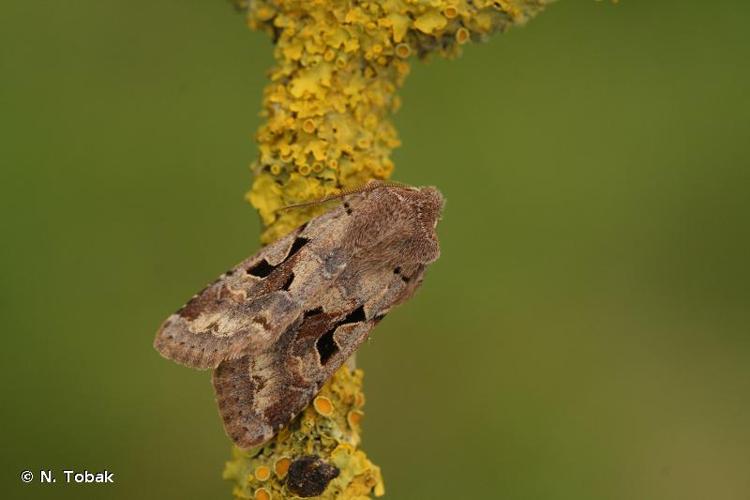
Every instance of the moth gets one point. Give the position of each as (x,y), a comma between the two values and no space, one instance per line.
(276,326)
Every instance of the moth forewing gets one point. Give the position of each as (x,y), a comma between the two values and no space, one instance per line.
(229,314)
(279,324)
(247,307)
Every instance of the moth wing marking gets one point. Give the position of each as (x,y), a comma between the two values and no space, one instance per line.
(233,314)
(235,391)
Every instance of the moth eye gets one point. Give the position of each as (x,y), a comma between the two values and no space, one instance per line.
(262,321)
(262,269)
(288,282)
(403,278)
(326,346)
(348,208)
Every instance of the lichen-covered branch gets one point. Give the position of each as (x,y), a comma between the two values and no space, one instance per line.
(333,89)
(328,107)
(316,455)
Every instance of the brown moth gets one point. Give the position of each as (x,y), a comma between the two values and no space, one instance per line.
(276,326)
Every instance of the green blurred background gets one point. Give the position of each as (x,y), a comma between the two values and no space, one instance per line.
(586,334)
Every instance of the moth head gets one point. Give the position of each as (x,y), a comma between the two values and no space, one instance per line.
(429,207)
(398,225)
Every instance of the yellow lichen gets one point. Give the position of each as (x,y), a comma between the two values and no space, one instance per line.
(323,406)
(327,110)
(262,494)
(354,418)
(462,35)
(359,399)
(332,92)
(282,466)
(262,473)
(450,11)
(332,438)
(430,22)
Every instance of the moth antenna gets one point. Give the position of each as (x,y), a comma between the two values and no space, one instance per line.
(370,186)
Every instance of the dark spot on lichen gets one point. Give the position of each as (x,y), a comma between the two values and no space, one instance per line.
(309,476)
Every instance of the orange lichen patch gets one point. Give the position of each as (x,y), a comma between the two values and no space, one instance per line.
(308,126)
(354,418)
(359,399)
(304,169)
(323,406)
(262,494)
(281,467)
(450,11)
(262,473)
(403,50)
(462,35)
